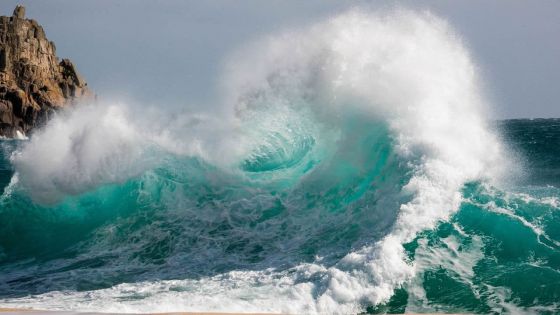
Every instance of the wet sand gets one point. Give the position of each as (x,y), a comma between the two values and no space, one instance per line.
(14,311)
(24,311)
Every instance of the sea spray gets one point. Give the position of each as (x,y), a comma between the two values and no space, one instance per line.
(331,173)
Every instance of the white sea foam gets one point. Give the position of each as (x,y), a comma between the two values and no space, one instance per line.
(76,152)
(460,259)
(407,68)
(91,145)
(414,71)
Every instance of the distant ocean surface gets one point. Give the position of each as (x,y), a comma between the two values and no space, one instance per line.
(358,175)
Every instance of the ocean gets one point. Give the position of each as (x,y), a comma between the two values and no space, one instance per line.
(352,168)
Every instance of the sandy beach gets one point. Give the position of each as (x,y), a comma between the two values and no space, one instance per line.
(32,311)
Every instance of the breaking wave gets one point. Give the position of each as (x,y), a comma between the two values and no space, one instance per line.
(335,147)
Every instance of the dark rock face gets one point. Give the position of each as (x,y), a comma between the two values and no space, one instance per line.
(33,83)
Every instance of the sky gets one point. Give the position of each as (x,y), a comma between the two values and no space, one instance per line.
(172,52)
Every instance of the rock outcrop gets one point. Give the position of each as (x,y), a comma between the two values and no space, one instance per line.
(33,83)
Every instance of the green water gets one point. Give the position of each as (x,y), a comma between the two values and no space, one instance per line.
(187,220)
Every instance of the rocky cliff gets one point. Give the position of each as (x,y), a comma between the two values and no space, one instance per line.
(33,82)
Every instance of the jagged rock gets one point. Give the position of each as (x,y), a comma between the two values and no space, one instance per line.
(19,12)
(33,83)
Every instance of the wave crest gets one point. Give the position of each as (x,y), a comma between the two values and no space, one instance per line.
(381,111)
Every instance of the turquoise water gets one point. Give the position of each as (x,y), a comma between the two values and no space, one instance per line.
(347,168)
(187,219)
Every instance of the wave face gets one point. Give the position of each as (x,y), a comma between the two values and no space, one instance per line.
(349,169)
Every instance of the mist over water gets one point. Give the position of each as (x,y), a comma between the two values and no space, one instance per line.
(350,167)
